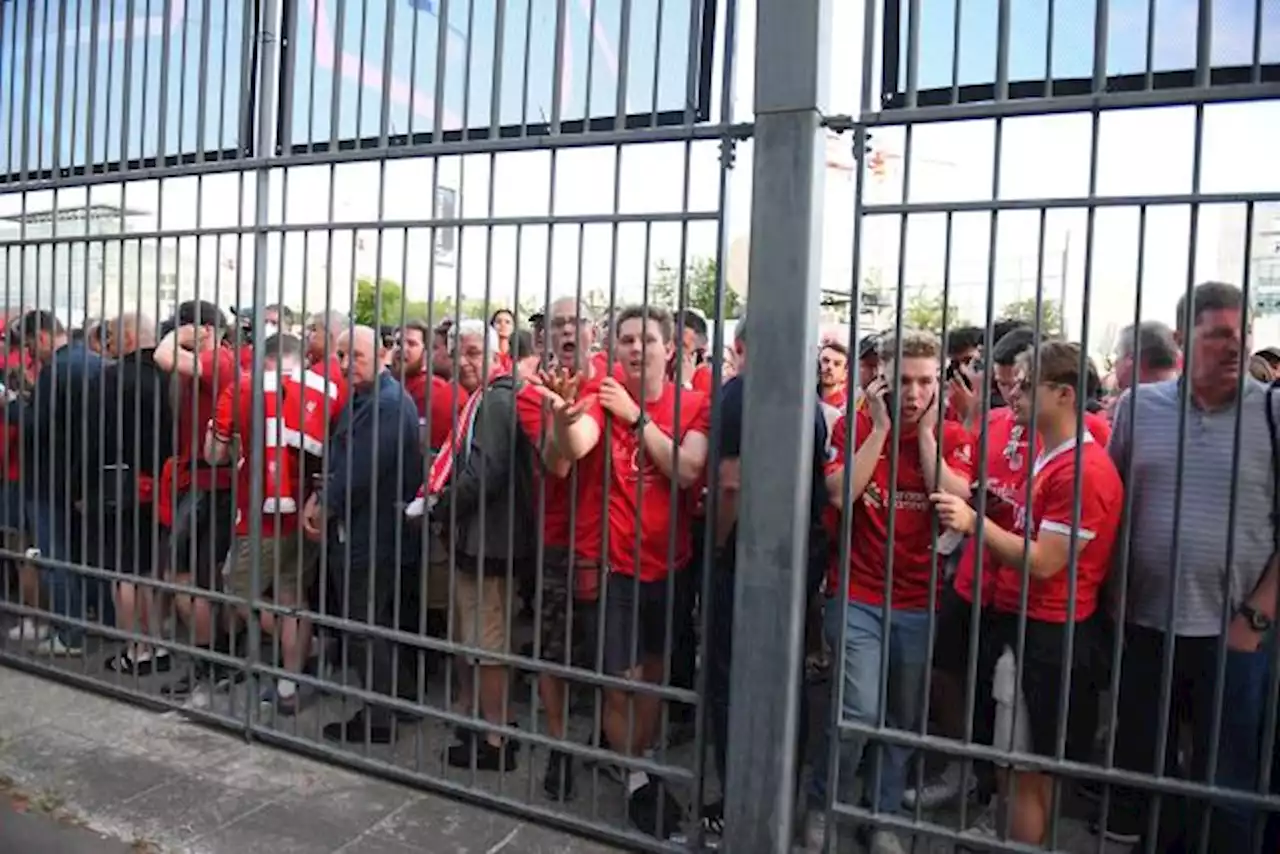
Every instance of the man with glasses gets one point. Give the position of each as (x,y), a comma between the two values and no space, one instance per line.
(1060,550)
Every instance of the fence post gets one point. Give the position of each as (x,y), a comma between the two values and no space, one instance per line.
(791,69)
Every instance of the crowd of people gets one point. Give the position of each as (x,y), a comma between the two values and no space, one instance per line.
(974,483)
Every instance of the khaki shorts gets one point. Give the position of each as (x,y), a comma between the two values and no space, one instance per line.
(487,599)
(288,575)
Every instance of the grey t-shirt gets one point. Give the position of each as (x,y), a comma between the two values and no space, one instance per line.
(1206,505)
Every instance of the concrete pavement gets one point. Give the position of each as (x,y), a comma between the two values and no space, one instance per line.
(156,782)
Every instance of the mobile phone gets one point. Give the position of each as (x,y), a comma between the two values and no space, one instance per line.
(953,371)
(889,403)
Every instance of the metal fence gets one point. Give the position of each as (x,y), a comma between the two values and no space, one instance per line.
(244,516)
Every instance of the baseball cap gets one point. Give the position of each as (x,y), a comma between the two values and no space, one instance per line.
(868,346)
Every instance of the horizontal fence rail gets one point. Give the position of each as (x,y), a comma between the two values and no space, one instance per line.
(382,382)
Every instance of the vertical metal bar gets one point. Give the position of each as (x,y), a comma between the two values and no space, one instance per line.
(1101,24)
(1002,50)
(202,87)
(264,144)
(913,56)
(786,211)
(1184,410)
(624,63)
(1220,666)
(1121,552)
(1204,45)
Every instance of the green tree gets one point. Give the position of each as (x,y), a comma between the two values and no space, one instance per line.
(700,288)
(924,311)
(1025,310)
(377,304)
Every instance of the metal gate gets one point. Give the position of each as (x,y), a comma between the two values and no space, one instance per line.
(234,510)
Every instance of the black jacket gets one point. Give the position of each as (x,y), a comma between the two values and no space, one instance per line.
(495,472)
(375,466)
(136,428)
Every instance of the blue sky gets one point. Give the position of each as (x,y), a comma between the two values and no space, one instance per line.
(1174,43)
(358,64)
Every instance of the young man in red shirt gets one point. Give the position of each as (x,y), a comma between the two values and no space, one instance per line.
(1011,451)
(195,499)
(437,399)
(651,459)
(287,562)
(1066,558)
(905,561)
(833,374)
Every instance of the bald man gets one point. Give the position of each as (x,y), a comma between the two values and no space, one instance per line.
(375,466)
(137,436)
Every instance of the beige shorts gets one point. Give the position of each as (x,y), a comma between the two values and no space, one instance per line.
(287,571)
(480,615)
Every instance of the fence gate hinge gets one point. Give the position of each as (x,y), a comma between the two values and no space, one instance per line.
(840,123)
(728,152)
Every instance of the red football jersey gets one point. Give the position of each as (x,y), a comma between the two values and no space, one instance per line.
(913,516)
(640,496)
(1053,510)
(1008,464)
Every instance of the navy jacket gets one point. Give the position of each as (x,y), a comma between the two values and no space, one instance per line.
(58,427)
(375,467)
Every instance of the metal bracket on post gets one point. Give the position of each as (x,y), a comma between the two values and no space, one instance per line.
(792,62)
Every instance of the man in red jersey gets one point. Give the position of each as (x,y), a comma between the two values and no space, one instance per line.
(195,498)
(645,451)
(1065,561)
(1010,452)
(287,562)
(833,374)
(437,399)
(902,565)
(572,501)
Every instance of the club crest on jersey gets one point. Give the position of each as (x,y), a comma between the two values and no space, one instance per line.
(1013,451)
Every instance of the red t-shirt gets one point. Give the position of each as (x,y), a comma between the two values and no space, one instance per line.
(1052,509)
(702,379)
(199,400)
(641,496)
(245,355)
(534,415)
(234,410)
(1007,469)
(439,397)
(913,520)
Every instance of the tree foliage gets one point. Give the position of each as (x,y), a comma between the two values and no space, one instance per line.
(384,303)
(700,288)
(924,311)
(1025,310)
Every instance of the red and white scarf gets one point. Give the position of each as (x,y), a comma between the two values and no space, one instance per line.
(456,445)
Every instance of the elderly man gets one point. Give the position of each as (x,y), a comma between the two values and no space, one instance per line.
(483,489)
(374,466)
(1146,353)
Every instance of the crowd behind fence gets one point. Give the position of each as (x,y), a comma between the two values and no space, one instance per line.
(583,554)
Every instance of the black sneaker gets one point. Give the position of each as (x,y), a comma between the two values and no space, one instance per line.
(651,807)
(608,770)
(712,828)
(557,783)
(486,756)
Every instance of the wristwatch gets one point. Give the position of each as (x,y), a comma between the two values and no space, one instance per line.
(640,422)
(1258,621)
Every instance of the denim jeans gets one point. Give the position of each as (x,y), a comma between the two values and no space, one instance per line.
(53,529)
(864,646)
(1239,740)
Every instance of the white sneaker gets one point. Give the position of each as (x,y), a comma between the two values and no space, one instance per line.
(54,645)
(28,630)
(886,842)
(940,791)
(815,830)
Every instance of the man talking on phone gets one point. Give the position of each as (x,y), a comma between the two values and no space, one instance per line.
(894,573)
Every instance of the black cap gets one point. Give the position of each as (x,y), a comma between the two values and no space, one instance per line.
(869,346)
(201,313)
